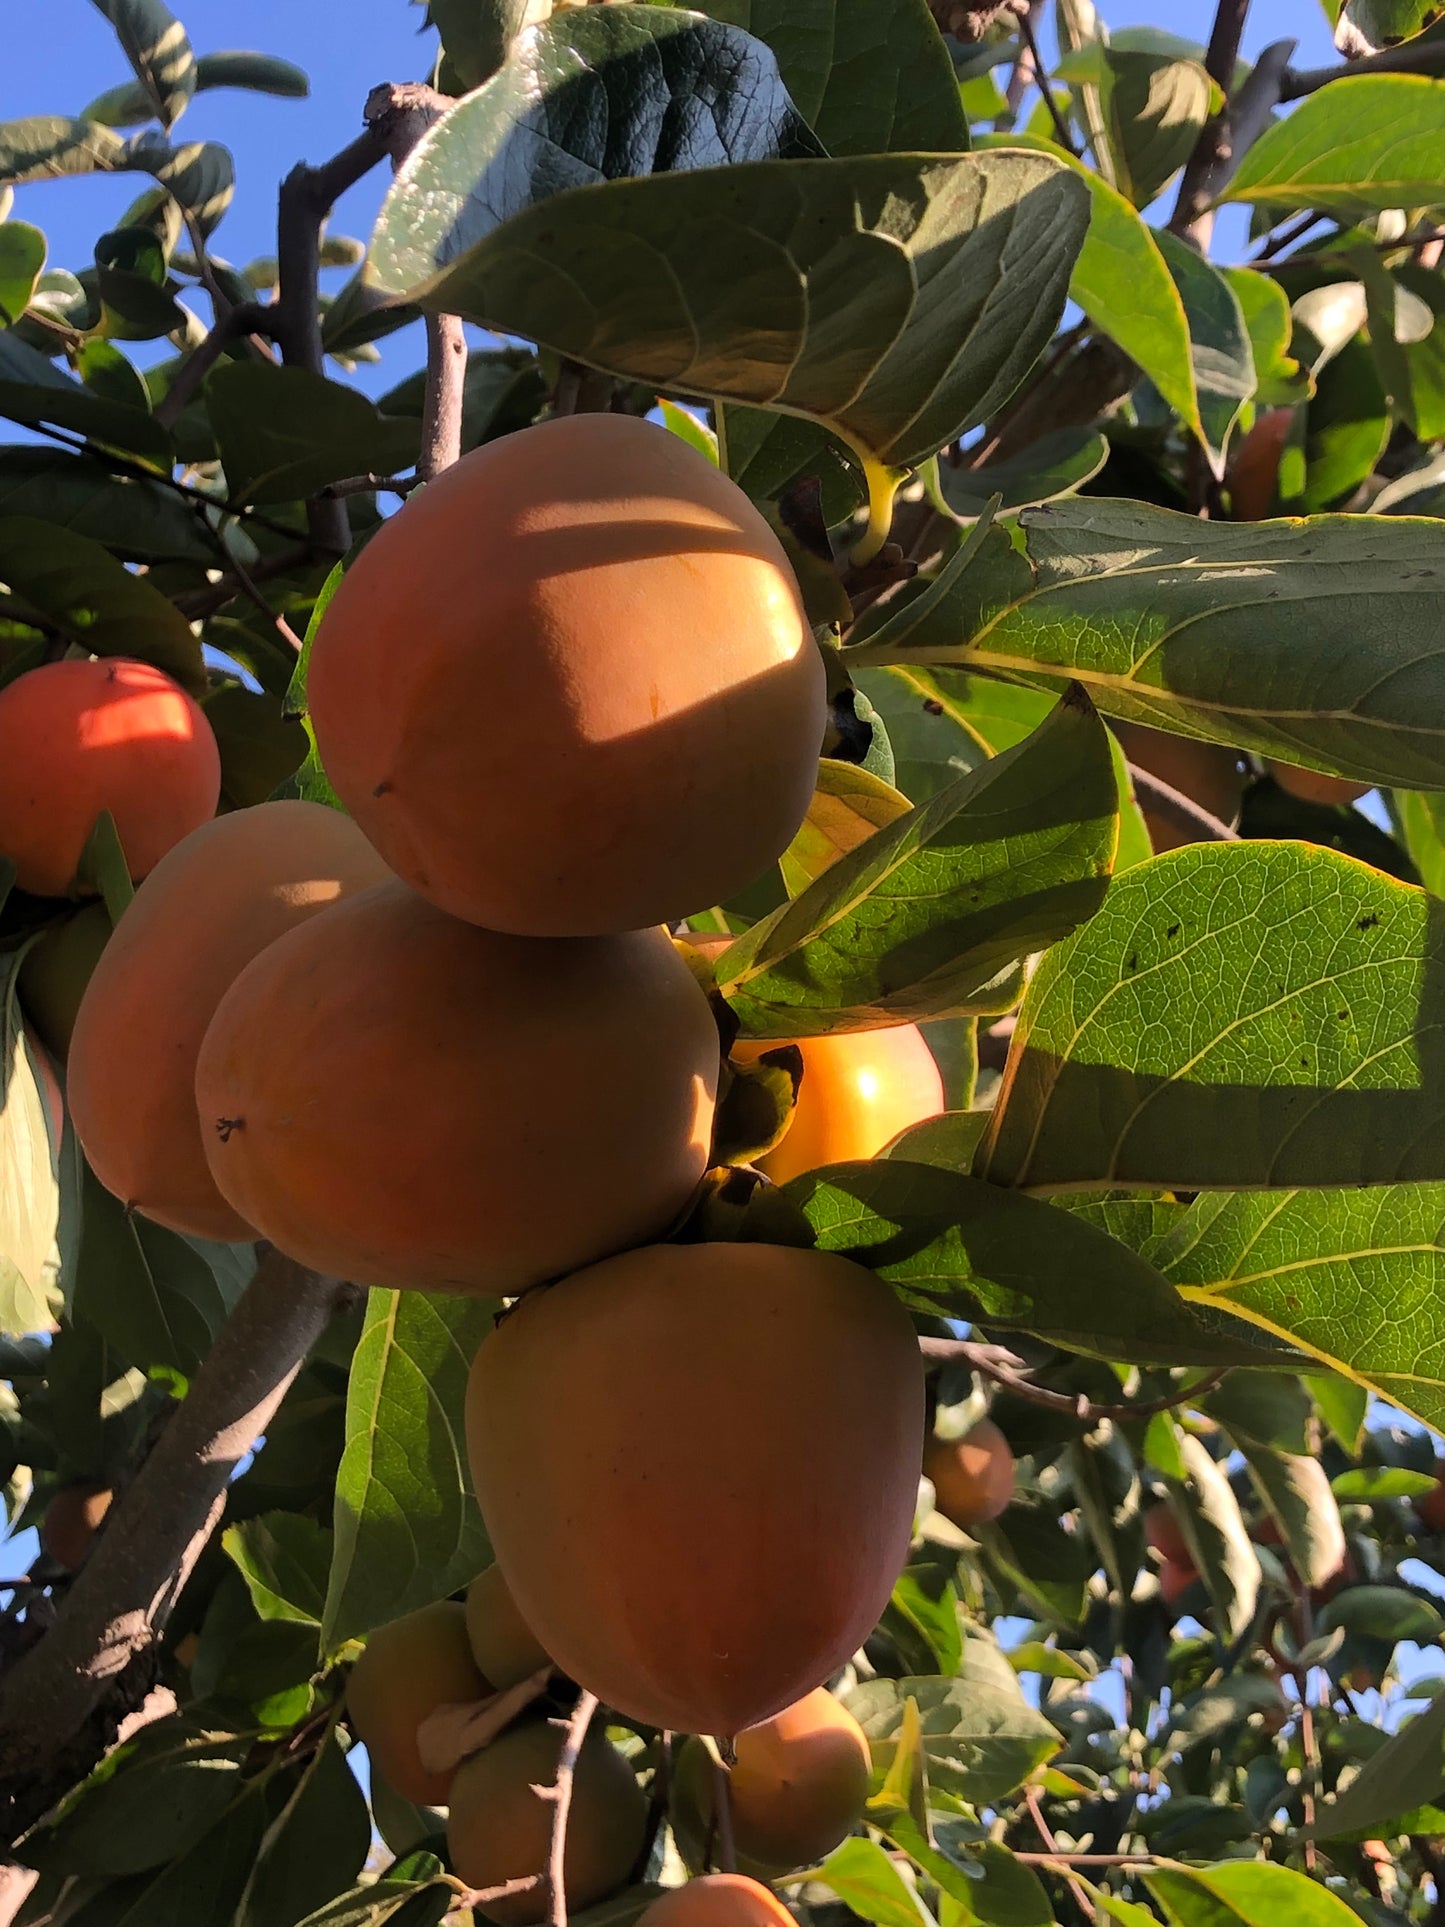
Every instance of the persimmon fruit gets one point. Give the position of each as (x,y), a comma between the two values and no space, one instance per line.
(105,733)
(1314,786)
(1431,1505)
(570,687)
(454,1109)
(796,1788)
(1254,471)
(407,1670)
(859,1090)
(670,1444)
(973,1476)
(212,904)
(500,1829)
(71,1521)
(1176,1576)
(1164,1533)
(717,1900)
(503,1644)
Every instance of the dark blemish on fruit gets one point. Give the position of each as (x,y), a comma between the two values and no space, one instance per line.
(226,1125)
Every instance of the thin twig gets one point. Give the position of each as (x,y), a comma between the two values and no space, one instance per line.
(1197,822)
(1287,236)
(246,318)
(1046,1834)
(1004,1368)
(1058,1858)
(372,485)
(446,376)
(1044,84)
(1214,148)
(1414,57)
(574,1732)
(197,604)
(254,596)
(722,1800)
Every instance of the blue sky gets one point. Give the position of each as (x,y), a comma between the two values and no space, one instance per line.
(60,53)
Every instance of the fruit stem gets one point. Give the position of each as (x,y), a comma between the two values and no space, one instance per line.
(883,485)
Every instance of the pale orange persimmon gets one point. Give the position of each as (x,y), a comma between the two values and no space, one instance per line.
(448,1108)
(570,688)
(210,906)
(1254,469)
(718,1900)
(503,1644)
(77,738)
(407,1670)
(973,1477)
(499,1828)
(859,1090)
(695,1526)
(796,1789)
(1314,786)
(71,1521)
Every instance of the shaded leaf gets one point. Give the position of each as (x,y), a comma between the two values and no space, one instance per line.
(1058,464)
(1223,1553)
(257,73)
(1297,1492)
(45,146)
(407,1526)
(1237,1015)
(284,433)
(137,521)
(284,1559)
(1220,345)
(33,390)
(1406,1771)
(314,1846)
(1155,108)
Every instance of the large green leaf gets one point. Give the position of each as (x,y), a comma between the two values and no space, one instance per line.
(1244,1893)
(1238,1015)
(981,1738)
(95,600)
(407,1526)
(156,46)
(957,1248)
(284,433)
(869,76)
(1154,107)
(906,296)
(29,1190)
(921,918)
(138,521)
(1316,642)
(314,1847)
(1371,142)
(1407,1772)
(866,1880)
(1315,1267)
(1220,345)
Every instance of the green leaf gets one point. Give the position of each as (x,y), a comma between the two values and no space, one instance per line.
(158,1298)
(1245,1893)
(1346,428)
(1220,345)
(948,1140)
(1238,1015)
(981,1737)
(46,146)
(1159,616)
(1368,26)
(407,1526)
(256,73)
(156,46)
(315,1845)
(1265,307)
(1381,1612)
(284,433)
(284,1559)
(861,1874)
(917,921)
(261,746)
(388,1903)
(201,177)
(476,35)
(29,1187)
(1342,1404)
(1155,108)
(1376,1484)
(848,806)
(1058,464)
(1028,1550)
(1408,1770)
(137,521)
(33,390)
(1315,1267)
(1422,830)
(958,1248)
(1297,1492)
(925,1606)
(102,867)
(1360,145)
(867,79)
(996,1890)
(766,453)
(856,262)
(22,260)
(1224,1555)
(95,600)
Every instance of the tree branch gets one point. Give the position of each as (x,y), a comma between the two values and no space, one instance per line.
(1005,1368)
(61,1703)
(574,1732)
(1044,83)
(248,317)
(1214,149)
(1196,822)
(446,374)
(1414,57)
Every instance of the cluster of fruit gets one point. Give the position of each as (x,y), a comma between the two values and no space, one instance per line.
(569,696)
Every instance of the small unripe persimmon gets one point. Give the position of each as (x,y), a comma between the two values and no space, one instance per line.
(1254,471)
(55,971)
(1176,1576)
(71,1519)
(503,699)
(1431,1505)
(408,1669)
(77,738)
(499,1828)
(454,1109)
(796,1789)
(503,1644)
(1164,1533)
(1313,786)
(973,1477)
(859,1090)
(718,1900)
